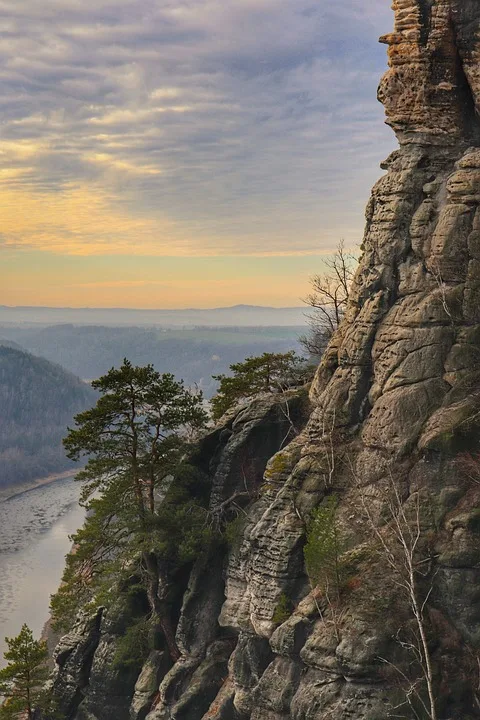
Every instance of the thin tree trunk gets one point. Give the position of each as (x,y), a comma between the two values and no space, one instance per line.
(151,492)
(136,479)
(169,634)
(417,611)
(29,701)
(140,503)
(159,606)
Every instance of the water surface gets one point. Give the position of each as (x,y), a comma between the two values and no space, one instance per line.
(34,539)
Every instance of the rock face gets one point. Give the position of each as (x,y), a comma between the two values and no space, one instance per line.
(393,434)
(88,681)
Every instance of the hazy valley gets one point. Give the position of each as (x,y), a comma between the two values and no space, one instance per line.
(193,354)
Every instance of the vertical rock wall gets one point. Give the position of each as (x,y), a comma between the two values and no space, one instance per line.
(396,398)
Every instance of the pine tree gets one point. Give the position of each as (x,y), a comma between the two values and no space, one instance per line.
(135,440)
(270,372)
(22,679)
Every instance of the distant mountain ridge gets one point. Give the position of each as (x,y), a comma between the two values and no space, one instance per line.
(38,400)
(238,315)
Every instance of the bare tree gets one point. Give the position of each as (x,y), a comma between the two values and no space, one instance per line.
(328,299)
(401,546)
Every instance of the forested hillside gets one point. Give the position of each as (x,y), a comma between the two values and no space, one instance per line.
(38,400)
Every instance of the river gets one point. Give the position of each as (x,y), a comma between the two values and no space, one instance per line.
(34,539)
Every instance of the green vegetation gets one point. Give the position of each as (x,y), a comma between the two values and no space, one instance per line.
(276,465)
(270,372)
(146,506)
(233,530)
(323,549)
(135,644)
(22,680)
(38,400)
(283,610)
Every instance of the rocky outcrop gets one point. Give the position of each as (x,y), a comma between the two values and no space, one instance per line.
(235,455)
(89,681)
(73,659)
(394,430)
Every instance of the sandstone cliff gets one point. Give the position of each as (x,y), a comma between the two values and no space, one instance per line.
(396,409)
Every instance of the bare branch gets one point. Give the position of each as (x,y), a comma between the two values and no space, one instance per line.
(407,532)
(329,298)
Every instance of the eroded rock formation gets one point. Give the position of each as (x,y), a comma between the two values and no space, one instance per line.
(396,402)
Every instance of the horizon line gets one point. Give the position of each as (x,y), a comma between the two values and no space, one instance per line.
(140,309)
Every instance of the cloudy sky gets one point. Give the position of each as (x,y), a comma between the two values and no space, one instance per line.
(173,153)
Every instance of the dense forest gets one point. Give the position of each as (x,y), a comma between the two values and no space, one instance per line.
(38,401)
(193,354)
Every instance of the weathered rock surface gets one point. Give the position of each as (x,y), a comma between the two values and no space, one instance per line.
(396,401)
(73,658)
(89,682)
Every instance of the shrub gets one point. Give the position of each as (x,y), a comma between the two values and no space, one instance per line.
(323,548)
(233,530)
(283,610)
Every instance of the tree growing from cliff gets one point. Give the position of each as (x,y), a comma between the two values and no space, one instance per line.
(408,562)
(323,548)
(405,549)
(267,373)
(132,436)
(22,680)
(134,441)
(322,554)
(328,300)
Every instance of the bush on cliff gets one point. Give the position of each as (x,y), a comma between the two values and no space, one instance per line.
(323,549)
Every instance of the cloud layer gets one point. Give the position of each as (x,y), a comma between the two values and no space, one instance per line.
(188,127)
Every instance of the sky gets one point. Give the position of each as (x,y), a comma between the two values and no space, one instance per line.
(184,153)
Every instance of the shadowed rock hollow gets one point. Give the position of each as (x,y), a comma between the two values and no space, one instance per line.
(396,404)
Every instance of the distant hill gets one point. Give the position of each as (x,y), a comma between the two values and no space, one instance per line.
(38,399)
(238,315)
(9,343)
(193,355)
